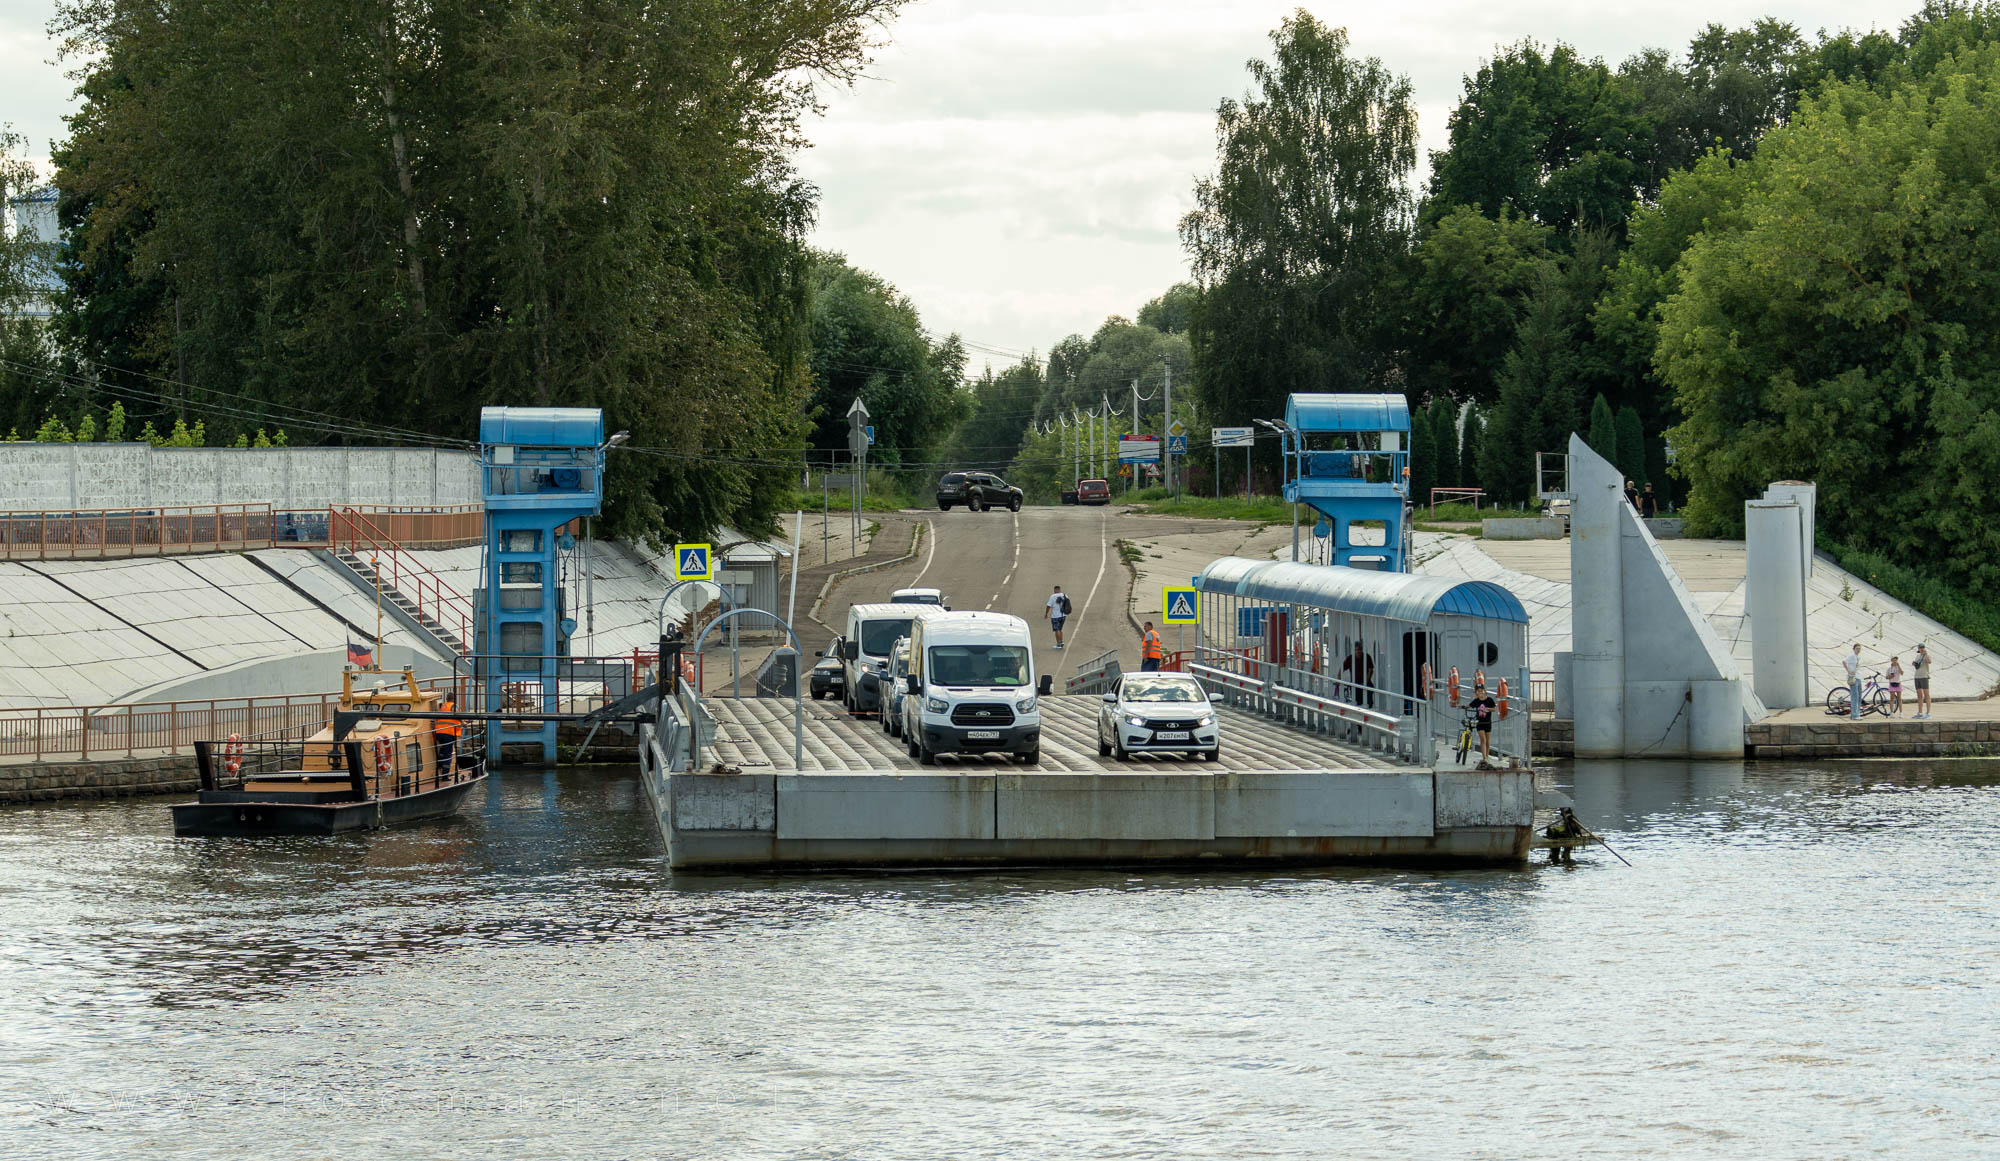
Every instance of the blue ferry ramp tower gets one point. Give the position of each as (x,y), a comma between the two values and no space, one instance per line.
(1346,457)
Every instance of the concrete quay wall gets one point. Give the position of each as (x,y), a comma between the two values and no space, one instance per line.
(985,816)
(109,778)
(1873,738)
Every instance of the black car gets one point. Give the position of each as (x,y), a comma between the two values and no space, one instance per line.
(978,491)
(829,678)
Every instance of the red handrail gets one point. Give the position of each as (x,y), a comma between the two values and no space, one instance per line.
(435,599)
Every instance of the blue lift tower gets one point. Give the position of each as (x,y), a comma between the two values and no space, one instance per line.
(544,468)
(1346,457)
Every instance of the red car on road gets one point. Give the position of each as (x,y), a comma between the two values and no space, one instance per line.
(1093,492)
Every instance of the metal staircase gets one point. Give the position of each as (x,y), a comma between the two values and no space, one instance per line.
(420,599)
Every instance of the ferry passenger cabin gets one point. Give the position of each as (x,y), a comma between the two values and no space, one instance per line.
(1383,645)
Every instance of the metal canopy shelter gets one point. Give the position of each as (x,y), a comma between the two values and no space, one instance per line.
(1369,639)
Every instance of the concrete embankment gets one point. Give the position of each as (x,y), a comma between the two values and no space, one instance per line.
(108,778)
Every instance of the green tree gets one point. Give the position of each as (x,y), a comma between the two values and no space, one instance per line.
(1294,237)
(1844,329)
(1002,410)
(1443,415)
(1631,444)
(397,212)
(1423,456)
(1464,288)
(28,384)
(1552,136)
(1171,311)
(868,341)
(1603,437)
(1472,432)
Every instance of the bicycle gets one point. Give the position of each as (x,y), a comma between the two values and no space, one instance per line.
(1468,730)
(1874,699)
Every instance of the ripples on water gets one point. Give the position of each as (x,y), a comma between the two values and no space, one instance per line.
(1800,964)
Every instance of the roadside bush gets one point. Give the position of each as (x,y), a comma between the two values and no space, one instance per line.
(1939,600)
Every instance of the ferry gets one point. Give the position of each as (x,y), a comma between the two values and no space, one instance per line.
(387,768)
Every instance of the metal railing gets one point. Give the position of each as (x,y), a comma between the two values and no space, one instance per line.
(122,532)
(83,733)
(350,530)
(1542,691)
(185,529)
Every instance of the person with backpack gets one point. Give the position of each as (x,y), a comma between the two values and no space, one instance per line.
(1056,613)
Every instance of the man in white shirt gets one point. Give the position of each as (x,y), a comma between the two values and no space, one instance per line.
(1852,663)
(1056,613)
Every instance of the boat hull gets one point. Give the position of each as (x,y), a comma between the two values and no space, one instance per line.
(251,818)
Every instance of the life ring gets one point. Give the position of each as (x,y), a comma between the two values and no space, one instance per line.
(1478,678)
(232,755)
(1503,699)
(1451,685)
(1424,682)
(384,757)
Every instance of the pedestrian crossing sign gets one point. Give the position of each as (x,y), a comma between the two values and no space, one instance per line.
(691,562)
(1181,605)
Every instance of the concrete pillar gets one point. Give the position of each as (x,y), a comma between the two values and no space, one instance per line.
(1565,686)
(1774,600)
(1597,604)
(1807,497)
(1715,725)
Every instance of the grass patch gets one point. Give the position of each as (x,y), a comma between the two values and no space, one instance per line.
(1260,509)
(1129,552)
(1939,600)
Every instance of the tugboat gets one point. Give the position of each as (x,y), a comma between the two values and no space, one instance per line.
(386,768)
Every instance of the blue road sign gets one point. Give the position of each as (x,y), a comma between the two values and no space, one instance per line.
(870,429)
(691,562)
(1181,606)
(1177,445)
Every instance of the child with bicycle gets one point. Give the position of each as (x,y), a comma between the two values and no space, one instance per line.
(1482,707)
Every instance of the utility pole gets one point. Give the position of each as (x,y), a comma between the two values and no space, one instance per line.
(1166,422)
(1076,454)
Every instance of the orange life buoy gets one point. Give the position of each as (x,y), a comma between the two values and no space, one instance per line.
(1451,685)
(232,754)
(1424,683)
(383,756)
(1503,699)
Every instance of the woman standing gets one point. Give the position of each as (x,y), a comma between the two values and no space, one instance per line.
(1895,685)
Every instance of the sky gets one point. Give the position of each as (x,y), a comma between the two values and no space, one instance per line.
(1018,168)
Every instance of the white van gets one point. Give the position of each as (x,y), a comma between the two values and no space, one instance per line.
(972,688)
(872,631)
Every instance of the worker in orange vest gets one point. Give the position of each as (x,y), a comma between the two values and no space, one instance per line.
(1151,652)
(446,732)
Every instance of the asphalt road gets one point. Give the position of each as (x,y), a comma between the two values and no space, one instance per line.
(1009,562)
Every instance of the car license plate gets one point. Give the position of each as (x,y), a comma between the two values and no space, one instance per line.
(983,735)
(1172,735)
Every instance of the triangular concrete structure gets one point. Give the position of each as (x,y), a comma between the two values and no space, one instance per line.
(1651,677)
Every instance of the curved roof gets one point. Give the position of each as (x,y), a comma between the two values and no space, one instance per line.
(1399,596)
(542,426)
(1308,412)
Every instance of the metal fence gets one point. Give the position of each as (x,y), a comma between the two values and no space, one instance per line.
(197,528)
(81,733)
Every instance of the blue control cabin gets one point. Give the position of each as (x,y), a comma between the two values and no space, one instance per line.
(543,469)
(1346,458)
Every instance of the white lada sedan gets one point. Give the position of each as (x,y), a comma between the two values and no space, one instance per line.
(1158,713)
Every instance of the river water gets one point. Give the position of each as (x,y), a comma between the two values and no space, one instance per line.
(1801,962)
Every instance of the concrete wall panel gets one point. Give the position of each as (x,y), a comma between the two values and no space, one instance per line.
(1312,803)
(60,477)
(115,473)
(1485,798)
(724,802)
(870,806)
(1105,806)
(250,476)
(1531,528)
(371,474)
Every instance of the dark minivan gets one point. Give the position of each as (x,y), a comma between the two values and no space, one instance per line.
(978,491)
